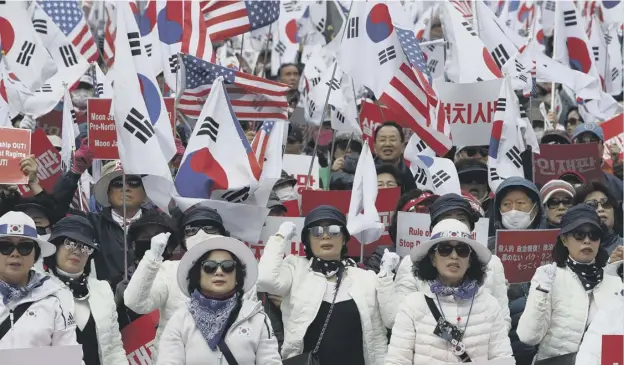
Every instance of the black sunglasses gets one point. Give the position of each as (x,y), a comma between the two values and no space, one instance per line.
(192,230)
(131,182)
(472,151)
(332,231)
(593,235)
(211,266)
(554,203)
(446,249)
(606,204)
(24,248)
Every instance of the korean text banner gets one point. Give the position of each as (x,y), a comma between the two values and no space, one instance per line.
(469,110)
(557,159)
(138,338)
(48,162)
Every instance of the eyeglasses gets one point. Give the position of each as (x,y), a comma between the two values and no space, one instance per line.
(134,183)
(77,246)
(24,248)
(472,151)
(192,230)
(211,266)
(593,235)
(554,203)
(319,231)
(445,249)
(606,204)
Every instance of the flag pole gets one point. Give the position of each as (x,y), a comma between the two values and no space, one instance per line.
(240,61)
(553,85)
(266,52)
(124,224)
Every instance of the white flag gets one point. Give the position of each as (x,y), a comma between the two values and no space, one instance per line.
(68,137)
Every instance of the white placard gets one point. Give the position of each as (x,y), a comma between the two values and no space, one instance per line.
(271,226)
(51,355)
(413,229)
(469,109)
(298,166)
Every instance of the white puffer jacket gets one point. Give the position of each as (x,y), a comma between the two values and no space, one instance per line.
(413,341)
(154,286)
(104,311)
(302,292)
(609,321)
(250,339)
(391,293)
(557,320)
(48,321)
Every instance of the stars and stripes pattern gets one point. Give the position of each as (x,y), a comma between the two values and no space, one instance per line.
(70,19)
(252,97)
(76,201)
(229,18)
(261,140)
(195,39)
(110,30)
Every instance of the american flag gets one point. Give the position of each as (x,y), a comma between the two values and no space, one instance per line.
(261,140)
(229,18)
(68,16)
(76,201)
(252,97)
(110,30)
(410,93)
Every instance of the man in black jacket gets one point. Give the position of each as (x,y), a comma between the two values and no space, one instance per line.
(389,145)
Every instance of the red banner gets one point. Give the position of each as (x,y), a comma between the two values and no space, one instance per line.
(555,159)
(138,338)
(102,132)
(371,118)
(522,252)
(386,203)
(48,162)
(612,349)
(14,146)
(613,127)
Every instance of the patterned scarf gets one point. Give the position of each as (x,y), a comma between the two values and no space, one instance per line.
(330,268)
(13,294)
(589,274)
(78,285)
(466,290)
(211,316)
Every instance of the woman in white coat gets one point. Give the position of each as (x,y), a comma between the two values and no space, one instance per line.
(566,295)
(95,312)
(218,326)
(328,306)
(34,310)
(454,318)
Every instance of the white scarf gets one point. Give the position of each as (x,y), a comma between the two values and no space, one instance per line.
(119,219)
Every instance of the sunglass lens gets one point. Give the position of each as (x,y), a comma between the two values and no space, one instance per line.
(462,250)
(592,203)
(606,204)
(6,248)
(333,230)
(25,248)
(444,249)
(116,184)
(228,266)
(190,231)
(210,267)
(316,231)
(135,183)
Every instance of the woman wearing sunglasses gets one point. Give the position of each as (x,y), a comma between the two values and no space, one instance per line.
(218,326)
(565,296)
(598,197)
(329,306)
(557,196)
(454,318)
(95,312)
(34,310)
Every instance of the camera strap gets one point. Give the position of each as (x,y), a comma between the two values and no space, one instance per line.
(437,315)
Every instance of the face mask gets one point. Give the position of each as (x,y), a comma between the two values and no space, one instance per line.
(43,231)
(286,193)
(190,243)
(44,237)
(515,219)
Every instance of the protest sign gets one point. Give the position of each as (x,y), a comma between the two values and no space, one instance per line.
(385,204)
(48,162)
(413,229)
(523,251)
(51,123)
(292,208)
(298,166)
(101,129)
(613,131)
(612,349)
(14,146)
(49,355)
(469,109)
(371,118)
(138,339)
(270,229)
(555,159)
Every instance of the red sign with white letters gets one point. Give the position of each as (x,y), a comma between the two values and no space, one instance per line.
(523,251)
(386,203)
(556,159)
(138,339)
(48,162)
(612,350)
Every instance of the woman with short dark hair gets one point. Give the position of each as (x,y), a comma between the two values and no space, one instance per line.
(453,318)
(565,296)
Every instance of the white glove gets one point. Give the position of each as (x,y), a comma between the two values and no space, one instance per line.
(158,244)
(545,276)
(28,122)
(287,230)
(389,262)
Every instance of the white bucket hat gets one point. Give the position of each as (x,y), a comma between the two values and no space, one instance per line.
(451,230)
(18,224)
(202,243)
(110,172)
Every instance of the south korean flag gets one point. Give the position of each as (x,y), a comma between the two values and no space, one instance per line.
(438,175)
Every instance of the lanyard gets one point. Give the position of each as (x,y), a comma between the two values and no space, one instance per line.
(469,311)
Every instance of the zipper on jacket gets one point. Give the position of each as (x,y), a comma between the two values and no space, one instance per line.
(11,317)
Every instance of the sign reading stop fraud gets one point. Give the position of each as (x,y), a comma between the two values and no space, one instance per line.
(413,229)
